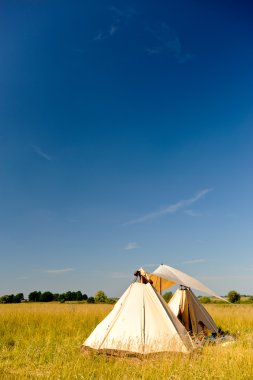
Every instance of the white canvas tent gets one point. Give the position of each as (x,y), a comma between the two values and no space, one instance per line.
(187,308)
(142,323)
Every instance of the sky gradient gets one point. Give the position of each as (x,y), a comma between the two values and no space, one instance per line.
(125,140)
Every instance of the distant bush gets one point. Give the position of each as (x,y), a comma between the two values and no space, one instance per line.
(34,296)
(101,297)
(167,296)
(246,299)
(37,296)
(69,296)
(205,299)
(111,301)
(234,297)
(11,298)
(46,297)
(91,300)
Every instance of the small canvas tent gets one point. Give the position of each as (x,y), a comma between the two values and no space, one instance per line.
(187,308)
(140,322)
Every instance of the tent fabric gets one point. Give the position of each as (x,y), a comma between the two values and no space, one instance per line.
(142,323)
(171,274)
(185,306)
(159,283)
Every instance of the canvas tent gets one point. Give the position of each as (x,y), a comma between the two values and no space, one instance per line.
(140,322)
(187,308)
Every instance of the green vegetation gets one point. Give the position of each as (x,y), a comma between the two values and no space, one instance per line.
(167,296)
(101,297)
(234,297)
(205,299)
(12,298)
(38,296)
(49,296)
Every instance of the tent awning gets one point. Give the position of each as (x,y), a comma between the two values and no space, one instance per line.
(175,276)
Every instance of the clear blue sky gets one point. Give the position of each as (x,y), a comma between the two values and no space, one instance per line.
(125,140)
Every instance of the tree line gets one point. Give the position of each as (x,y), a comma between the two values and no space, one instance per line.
(99,297)
(38,296)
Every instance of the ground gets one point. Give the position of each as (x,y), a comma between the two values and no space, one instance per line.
(42,341)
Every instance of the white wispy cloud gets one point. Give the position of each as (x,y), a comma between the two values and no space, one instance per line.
(171,209)
(58,271)
(150,265)
(194,261)
(166,40)
(154,50)
(192,213)
(98,37)
(112,30)
(131,245)
(119,19)
(106,34)
(41,153)
(124,14)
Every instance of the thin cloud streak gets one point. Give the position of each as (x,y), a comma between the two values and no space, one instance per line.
(58,271)
(131,245)
(122,14)
(171,209)
(194,261)
(192,213)
(113,30)
(150,265)
(119,19)
(166,40)
(99,37)
(41,153)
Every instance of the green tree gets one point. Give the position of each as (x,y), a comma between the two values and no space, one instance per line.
(18,298)
(62,298)
(91,300)
(46,297)
(56,296)
(111,301)
(234,297)
(84,297)
(34,296)
(68,296)
(79,295)
(100,297)
(5,299)
(167,296)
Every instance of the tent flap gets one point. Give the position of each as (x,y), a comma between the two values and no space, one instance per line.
(174,275)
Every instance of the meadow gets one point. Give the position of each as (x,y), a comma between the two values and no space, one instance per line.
(42,341)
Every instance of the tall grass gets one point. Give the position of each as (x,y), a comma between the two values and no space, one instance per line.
(42,341)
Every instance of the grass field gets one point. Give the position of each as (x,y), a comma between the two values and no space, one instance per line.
(42,341)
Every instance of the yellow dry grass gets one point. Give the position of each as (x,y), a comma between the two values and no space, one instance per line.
(42,341)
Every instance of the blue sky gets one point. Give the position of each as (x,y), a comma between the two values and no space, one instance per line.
(125,140)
